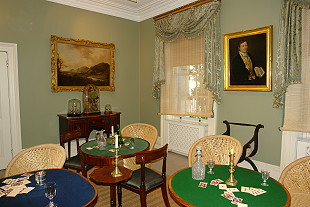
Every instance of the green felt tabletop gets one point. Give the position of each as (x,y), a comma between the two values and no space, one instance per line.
(187,188)
(140,145)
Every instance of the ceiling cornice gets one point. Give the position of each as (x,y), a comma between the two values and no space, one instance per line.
(138,13)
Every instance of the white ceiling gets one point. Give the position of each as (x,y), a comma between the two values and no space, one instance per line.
(127,9)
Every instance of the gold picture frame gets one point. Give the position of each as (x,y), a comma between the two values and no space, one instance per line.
(77,63)
(248,60)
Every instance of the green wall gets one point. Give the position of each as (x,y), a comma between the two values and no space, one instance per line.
(245,107)
(30,23)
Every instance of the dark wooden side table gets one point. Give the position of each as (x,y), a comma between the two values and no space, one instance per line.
(103,176)
(88,122)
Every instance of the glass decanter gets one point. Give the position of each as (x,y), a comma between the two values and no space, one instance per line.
(198,168)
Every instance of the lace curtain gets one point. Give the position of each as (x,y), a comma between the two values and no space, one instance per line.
(288,69)
(190,23)
(297,108)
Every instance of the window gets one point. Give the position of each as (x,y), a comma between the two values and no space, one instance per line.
(184,92)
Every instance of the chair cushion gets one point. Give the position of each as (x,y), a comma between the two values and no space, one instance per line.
(75,163)
(152,179)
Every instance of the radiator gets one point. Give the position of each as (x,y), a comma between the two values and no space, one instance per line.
(180,134)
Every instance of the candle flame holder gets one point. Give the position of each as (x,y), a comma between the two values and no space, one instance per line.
(116,172)
(231,180)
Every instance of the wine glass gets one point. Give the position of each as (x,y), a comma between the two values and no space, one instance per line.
(265,176)
(132,143)
(210,165)
(50,193)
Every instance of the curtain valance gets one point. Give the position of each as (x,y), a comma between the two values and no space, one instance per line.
(190,23)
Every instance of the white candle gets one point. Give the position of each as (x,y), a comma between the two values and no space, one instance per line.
(112,131)
(232,151)
(116,141)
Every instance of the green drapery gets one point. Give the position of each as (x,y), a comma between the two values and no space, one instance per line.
(288,69)
(190,23)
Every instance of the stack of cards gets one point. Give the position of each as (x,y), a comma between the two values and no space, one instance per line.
(16,186)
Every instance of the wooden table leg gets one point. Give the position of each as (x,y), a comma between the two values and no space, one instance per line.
(113,194)
(84,173)
(119,194)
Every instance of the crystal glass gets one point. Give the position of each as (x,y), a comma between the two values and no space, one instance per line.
(132,143)
(265,176)
(210,165)
(50,193)
(198,167)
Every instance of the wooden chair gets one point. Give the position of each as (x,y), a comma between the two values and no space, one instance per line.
(145,180)
(143,131)
(296,178)
(73,162)
(248,151)
(216,148)
(44,156)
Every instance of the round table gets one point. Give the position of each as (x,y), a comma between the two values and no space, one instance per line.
(185,190)
(93,156)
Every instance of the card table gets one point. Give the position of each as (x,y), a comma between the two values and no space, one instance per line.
(185,191)
(72,190)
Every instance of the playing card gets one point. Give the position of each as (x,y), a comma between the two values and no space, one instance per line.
(232,190)
(242,205)
(236,200)
(214,182)
(257,191)
(14,192)
(228,195)
(222,186)
(245,189)
(203,184)
(1,193)
(219,180)
(26,190)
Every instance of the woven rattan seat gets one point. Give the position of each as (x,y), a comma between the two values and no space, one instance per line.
(143,131)
(44,156)
(216,148)
(296,178)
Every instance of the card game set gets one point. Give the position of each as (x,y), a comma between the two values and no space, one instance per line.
(229,192)
(13,187)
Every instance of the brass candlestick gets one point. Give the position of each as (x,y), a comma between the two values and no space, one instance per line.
(231,180)
(116,172)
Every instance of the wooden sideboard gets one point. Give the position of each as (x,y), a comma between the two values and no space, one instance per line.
(89,122)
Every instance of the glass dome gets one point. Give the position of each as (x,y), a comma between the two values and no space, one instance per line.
(91,99)
(74,107)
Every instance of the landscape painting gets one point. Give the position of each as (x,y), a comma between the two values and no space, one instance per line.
(77,63)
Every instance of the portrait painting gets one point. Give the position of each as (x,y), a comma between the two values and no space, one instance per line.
(248,59)
(77,63)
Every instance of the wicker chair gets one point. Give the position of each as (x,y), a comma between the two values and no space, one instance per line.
(296,178)
(44,156)
(216,148)
(143,131)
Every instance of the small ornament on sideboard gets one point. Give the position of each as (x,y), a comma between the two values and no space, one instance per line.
(108,109)
(74,107)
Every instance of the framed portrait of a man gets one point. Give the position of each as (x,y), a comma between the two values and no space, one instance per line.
(248,59)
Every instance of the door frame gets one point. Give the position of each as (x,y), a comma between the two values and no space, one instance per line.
(11,50)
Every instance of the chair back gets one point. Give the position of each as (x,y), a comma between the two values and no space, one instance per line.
(296,176)
(44,156)
(67,137)
(145,157)
(216,148)
(143,131)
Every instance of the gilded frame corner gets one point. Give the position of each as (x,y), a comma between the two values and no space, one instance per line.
(76,63)
(259,42)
